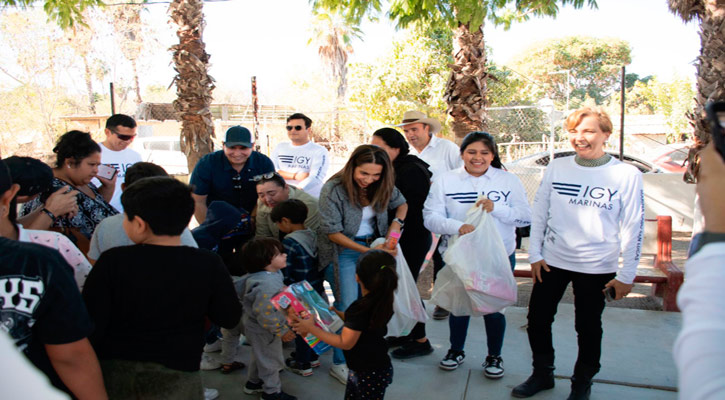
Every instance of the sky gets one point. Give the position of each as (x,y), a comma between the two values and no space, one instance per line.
(268,39)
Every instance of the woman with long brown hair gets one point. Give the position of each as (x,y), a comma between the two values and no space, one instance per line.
(354,207)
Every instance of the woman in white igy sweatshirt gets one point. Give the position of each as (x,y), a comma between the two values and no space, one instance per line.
(588,209)
(444,212)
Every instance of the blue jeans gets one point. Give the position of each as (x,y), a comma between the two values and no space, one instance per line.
(495,327)
(349,289)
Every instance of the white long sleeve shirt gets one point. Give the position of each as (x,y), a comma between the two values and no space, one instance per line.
(442,155)
(310,157)
(456,191)
(583,217)
(699,353)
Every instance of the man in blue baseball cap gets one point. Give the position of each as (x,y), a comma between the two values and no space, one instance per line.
(228,174)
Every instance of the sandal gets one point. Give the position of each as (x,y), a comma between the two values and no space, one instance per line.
(228,368)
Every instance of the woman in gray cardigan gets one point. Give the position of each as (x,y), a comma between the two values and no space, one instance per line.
(354,206)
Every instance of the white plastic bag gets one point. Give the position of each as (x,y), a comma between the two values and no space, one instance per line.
(407,306)
(478,264)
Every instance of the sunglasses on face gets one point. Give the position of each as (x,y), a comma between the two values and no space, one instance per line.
(296,127)
(125,138)
(268,175)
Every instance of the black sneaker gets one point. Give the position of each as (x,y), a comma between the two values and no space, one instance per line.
(304,369)
(412,349)
(440,313)
(278,396)
(396,341)
(452,360)
(253,388)
(493,367)
(314,362)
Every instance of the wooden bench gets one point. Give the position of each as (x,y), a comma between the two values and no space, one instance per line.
(656,266)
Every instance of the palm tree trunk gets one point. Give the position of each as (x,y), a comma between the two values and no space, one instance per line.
(710,67)
(137,86)
(193,83)
(466,89)
(89,85)
(710,70)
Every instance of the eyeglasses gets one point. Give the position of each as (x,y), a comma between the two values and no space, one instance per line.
(125,138)
(268,175)
(296,127)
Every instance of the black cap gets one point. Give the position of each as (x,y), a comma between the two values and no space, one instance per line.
(33,175)
(238,136)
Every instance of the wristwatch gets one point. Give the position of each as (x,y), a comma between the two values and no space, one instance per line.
(48,213)
(401,222)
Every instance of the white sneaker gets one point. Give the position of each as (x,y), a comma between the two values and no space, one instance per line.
(210,394)
(209,363)
(213,347)
(340,372)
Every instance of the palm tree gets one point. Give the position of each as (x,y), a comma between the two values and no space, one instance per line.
(333,37)
(193,83)
(710,65)
(128,28)
(466,89)
(80,39)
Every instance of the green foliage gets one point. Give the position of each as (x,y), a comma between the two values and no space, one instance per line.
(449,13)
(66,13)
(594,65)
(672,99)
(411,77)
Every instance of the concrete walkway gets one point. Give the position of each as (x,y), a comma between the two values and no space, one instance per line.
(636,362)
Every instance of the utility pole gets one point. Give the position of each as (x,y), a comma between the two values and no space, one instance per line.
(567,72)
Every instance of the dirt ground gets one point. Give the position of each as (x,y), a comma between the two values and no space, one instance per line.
(640,297)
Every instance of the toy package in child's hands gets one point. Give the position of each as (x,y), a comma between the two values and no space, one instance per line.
(303,300)
(316,305)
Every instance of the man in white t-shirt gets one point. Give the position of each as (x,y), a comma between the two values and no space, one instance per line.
(441,154)
(120,132)
(301,162)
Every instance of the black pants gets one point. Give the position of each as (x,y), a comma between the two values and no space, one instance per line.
(588,307)
(368,385)
(415,247)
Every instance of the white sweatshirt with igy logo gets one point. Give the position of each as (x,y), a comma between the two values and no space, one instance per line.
(583,217)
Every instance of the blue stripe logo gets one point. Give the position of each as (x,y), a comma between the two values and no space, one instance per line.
(464,197)
(567,189)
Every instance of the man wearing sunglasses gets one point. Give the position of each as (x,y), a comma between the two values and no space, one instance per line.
(227,175)
(115,151)
(301,162)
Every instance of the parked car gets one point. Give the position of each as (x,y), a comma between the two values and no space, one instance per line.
(530,169)
(164,151)
(671,158)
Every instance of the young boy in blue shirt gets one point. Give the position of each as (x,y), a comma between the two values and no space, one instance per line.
(300,244)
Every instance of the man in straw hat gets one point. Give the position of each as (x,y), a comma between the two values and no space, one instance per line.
(441,154)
